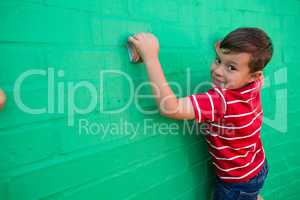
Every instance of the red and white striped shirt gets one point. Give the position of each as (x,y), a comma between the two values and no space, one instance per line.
(234,120)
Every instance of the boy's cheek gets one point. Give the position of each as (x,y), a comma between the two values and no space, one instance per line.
(213,67)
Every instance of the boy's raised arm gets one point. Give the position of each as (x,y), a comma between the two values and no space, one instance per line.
(169,105)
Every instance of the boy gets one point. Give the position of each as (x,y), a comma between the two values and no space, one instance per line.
(231,109)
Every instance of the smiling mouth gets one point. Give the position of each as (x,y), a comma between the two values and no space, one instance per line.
(218,82)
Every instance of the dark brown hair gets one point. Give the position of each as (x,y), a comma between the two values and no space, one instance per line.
(249,40)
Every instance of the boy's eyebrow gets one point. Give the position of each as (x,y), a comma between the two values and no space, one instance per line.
(230,61)
(233,62)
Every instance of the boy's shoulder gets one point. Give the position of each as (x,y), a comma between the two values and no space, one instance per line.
(250,90)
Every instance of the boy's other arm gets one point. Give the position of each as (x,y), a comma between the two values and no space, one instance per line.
(169,105)
(2,98)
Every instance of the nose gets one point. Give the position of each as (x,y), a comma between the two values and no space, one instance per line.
(218,71)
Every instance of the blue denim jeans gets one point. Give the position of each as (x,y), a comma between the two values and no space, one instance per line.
(241,191)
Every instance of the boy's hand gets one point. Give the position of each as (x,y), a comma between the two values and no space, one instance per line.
(146,44)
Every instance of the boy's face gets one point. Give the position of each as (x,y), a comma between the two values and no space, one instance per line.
(231,70)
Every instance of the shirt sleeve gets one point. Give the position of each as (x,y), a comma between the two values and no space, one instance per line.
(210,106)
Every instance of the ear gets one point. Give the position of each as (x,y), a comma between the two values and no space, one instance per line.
(255,76)
(218,44)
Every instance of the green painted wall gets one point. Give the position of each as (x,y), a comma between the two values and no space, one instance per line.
(41,157)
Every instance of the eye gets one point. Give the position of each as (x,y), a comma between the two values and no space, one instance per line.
(217,61)
(231,67)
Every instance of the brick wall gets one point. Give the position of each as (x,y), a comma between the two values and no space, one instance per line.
(42,156)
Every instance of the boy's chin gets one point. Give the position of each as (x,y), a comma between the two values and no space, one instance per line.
(225,86)
(218,84)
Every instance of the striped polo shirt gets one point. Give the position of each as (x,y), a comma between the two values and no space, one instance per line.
(234,119)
